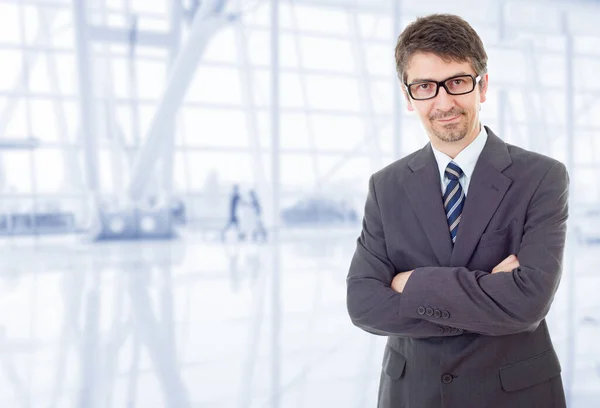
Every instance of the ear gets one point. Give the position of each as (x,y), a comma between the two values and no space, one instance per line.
(483,88)
(409,106)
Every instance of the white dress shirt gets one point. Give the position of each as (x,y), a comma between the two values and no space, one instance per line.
(466,160)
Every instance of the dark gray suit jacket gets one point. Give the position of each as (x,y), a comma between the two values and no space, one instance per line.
(459,336)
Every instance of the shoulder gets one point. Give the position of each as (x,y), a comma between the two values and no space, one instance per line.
(396,171)
(527,163)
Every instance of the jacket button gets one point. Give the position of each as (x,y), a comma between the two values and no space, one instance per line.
(445,314)
(437,314)
(429,311)
(447,378)
(421,310)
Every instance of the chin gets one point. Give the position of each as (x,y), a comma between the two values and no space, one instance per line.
(450,135)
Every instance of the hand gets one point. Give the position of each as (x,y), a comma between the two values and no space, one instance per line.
(507,265)
(399,281)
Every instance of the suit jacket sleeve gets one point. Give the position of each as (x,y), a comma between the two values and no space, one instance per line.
(372,304)
(503,303)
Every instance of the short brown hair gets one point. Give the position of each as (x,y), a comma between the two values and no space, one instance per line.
(445,35)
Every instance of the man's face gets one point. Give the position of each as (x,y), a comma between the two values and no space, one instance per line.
(448,118)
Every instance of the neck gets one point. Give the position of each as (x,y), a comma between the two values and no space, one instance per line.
(452,149)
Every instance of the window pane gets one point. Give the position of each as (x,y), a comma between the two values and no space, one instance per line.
(11,66)
(298,170)
(375,26)
(380,59)
(230,167)
(216,127)
(44,123)
(50,170)
(340,132)
(39,78)
(62,29)
(16,171)
(215,84)
(325,92)
(10,23)
(295,131)
(12,115)
(327,54)
(317,19)
(382,95)
(151,78)
(345,173)
(222,47)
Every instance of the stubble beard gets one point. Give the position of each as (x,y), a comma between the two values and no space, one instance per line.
(452,132)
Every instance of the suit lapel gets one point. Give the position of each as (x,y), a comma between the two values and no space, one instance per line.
(486,190)
(424,192)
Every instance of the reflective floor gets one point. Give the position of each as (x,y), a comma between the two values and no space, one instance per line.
(196,323)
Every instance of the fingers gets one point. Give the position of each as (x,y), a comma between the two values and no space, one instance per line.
(507,260)
(508,264)
(510,258)
(506,267)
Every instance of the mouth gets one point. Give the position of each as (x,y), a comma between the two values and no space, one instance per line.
(449,120)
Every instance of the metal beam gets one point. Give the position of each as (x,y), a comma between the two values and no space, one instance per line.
(275,342)
(111,130)
(19,144)
(398,106)
(123,35)
(366,92)
(502,92)
(203,27)
(163,357)
(302,75)
(248,91)
(166,173)
(74,175)
(86,109)
(19,83)
(570,249)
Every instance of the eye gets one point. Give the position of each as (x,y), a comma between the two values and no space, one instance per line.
(424,86)
(458,81)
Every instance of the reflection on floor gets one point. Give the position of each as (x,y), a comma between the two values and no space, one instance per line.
(195,323)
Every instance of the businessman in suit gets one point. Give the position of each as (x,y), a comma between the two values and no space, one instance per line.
(462,242)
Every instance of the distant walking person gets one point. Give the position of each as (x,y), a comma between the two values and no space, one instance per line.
(234,220)
(259,228)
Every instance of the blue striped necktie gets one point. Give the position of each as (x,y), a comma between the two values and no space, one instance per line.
(454,198)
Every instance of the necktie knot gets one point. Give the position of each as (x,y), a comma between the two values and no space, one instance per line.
(453,172)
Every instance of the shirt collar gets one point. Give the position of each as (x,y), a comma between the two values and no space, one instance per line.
(466,159)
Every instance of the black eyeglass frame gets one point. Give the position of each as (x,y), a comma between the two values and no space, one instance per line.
(475,80)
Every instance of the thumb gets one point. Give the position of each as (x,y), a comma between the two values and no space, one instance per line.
(509,258)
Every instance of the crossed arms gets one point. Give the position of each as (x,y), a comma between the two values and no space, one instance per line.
(478,301)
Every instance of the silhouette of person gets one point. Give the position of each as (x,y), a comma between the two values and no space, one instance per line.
(259,229)
(234,220)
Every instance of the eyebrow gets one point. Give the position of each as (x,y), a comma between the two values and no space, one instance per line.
(435,80)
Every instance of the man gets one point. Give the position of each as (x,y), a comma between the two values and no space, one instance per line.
(462,243)
(234,220)
(259,228)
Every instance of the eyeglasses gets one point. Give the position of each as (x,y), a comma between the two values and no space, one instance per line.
(457,85)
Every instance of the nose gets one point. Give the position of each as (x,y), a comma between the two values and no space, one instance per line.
(443,101)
